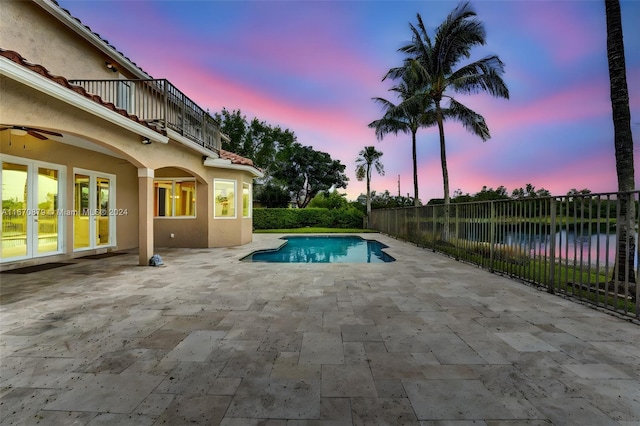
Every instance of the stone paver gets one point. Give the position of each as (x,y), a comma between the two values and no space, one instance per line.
(207,339)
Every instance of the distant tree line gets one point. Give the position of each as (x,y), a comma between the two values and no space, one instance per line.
(500,193)
(577,203)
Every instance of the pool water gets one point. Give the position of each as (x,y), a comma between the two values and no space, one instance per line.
(324,249)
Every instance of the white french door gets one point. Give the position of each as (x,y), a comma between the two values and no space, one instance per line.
(94,206)
(32,208)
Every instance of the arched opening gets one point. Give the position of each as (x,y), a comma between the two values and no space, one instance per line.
(180,200)
(65,194)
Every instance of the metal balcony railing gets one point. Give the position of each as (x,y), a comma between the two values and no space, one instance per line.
(572,245)
(161,104)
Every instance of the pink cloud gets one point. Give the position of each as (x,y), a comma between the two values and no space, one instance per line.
(581,102)
(317,57)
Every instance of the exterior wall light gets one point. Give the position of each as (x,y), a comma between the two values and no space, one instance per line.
(111,66)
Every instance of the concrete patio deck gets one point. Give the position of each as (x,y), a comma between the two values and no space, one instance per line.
(209,340)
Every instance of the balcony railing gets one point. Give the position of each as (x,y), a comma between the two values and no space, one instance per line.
(161,104)
(572,245)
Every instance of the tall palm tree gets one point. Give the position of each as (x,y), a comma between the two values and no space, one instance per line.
(414,110)
(368,159)
(623,140)
(452,42)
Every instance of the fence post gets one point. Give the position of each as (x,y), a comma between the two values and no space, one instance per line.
(636,286)
(492,235)
(433,227)
(552,246)
(417,227)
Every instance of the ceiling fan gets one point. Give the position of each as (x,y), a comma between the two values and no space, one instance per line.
(36,133)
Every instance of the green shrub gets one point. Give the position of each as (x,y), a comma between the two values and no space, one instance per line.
(313,217)
(348,217)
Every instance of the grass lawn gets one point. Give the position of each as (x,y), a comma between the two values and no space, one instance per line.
(310,230)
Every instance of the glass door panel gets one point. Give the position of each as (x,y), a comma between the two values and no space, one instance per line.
(14,210)
(94,222)
(47,217)
(102,214)
(82,217)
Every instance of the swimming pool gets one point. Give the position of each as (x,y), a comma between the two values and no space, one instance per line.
(323,249)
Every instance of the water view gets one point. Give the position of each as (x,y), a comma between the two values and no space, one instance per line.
(571,246)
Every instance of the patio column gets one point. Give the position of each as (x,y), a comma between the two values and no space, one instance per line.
(145,215)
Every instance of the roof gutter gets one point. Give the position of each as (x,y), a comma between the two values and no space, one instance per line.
(221,163)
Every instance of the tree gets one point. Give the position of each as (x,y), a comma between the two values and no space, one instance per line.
(529,191)
(387,201)
(623,140)
(272,196)
(500,193)
(330,200)
(305,172)
(266,141)
(234,126)
(437,59)
(573,192)
(414,110)
(257,139)
(368,159)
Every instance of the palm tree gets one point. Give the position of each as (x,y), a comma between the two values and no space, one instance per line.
(368,159)
(414,110)
(453,41)
(623,140)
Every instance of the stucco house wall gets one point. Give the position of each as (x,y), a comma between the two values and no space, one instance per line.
(27,28)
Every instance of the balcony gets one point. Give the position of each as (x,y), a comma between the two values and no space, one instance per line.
(162,105)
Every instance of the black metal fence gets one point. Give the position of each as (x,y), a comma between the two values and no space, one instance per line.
(578,245)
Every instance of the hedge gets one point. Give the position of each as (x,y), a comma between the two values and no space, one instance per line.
(312,217)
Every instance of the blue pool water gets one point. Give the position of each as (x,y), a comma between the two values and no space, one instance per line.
(323,249)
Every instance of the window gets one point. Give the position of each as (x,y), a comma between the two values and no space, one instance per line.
(174,198)
(246,200)
(224,198)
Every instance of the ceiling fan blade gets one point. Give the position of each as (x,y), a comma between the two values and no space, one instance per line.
(36,135)
(47,132)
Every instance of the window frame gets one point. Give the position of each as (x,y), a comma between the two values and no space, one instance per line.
(173,181)
(247,186)
(31,202)
(217,181)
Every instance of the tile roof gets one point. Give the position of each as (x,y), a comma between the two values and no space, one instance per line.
(236,159)
(41,70)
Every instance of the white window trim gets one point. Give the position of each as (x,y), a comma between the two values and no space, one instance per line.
(235,192)
(250,187)
(173,202)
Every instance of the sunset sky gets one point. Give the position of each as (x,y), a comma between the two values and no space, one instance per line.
(313,67)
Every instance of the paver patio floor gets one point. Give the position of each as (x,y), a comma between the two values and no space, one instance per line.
(207,339)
